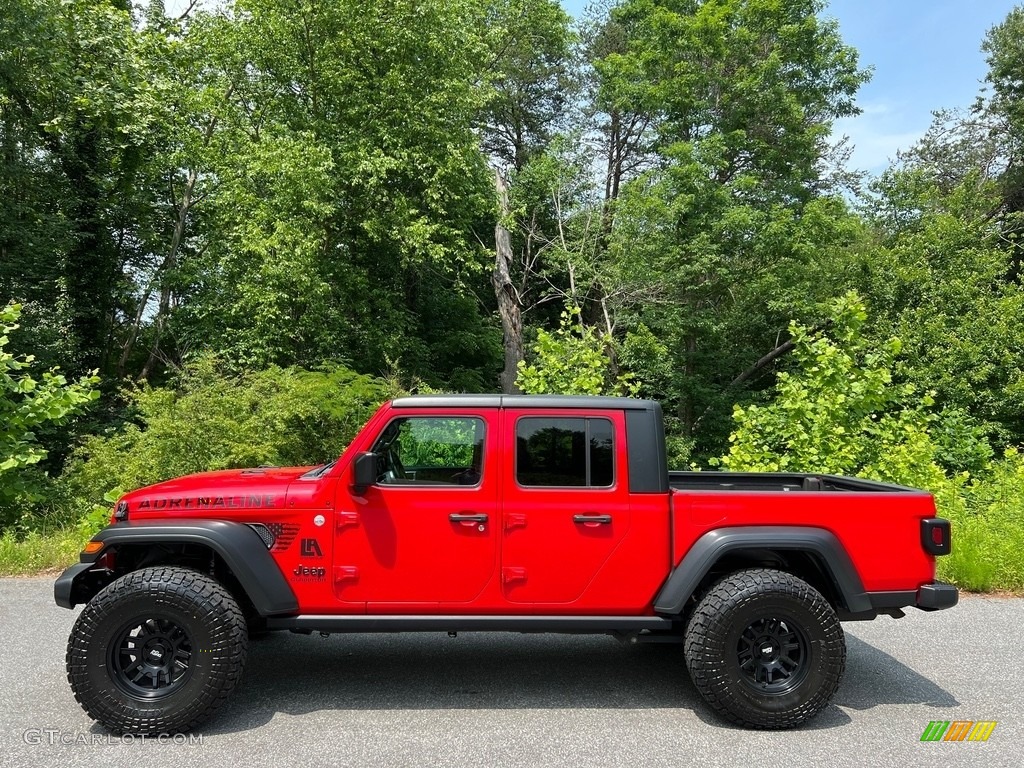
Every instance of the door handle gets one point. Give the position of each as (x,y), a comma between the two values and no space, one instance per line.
(592,519)
(459,517)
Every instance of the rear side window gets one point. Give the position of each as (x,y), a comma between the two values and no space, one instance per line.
(565,452)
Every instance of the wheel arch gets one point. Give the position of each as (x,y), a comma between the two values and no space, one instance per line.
(232,552)
(812,554)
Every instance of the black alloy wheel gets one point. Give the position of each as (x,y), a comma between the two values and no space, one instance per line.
(772,655)
(157,651)
(765,649)
(151,658)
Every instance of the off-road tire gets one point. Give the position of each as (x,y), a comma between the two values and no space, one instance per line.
(117,658)
(765,649)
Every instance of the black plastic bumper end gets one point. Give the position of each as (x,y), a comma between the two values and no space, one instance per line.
(65,584)
(937,596)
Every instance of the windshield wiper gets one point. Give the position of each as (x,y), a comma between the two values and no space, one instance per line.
(320,471)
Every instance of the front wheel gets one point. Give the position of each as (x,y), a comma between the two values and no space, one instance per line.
(765,649)
(156,651)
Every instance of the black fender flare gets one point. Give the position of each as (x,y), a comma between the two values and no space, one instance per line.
(238,545)
(714,545)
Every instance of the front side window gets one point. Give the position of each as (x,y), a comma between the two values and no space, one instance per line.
(431,450)
(565,452)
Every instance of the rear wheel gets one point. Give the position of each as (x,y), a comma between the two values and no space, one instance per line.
(765,649)
(156,651)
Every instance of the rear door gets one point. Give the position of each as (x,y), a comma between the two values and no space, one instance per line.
(427,531)
(566,503)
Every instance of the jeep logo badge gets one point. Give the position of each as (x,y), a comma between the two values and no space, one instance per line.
(306,572)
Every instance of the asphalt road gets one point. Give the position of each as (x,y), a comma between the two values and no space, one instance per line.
(485,700)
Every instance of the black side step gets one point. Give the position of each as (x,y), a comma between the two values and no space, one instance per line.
(435,623)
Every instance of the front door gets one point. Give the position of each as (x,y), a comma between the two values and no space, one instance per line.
(566,505)
(427,531)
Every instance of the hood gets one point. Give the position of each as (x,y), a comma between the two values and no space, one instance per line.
(221,491)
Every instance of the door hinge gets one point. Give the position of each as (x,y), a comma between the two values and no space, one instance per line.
(515,521)
(345,573)
(510,575)
(345,519)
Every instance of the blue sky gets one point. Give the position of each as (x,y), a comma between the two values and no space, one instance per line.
(926,55)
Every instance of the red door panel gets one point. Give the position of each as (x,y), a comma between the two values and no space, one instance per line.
(420,537)
(556,538)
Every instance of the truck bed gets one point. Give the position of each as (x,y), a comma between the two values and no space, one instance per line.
(778,481)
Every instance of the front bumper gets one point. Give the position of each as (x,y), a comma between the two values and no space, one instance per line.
(64,587)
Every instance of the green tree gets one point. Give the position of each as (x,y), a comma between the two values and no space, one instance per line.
(530,79)
(78,113)
(528,85)
(937,277)
(1005,56)
(733,231)
(348,182)
(746,89)
(942,265)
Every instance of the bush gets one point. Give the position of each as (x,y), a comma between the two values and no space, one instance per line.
(212,420)
(988,542)
(839,412)
(29,402)
(573,361)
(39,552)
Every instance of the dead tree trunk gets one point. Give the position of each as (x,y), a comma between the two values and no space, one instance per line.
(508,298)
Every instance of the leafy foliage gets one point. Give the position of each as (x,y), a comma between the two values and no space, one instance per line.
(731,231)
(942,276)
(215,420)
(990,528)
(573,361)
(531,82)
(347,189)
(28,402)
(36,552)
(80,117)
(839,411)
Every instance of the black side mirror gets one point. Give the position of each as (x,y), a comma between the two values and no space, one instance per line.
(364,473)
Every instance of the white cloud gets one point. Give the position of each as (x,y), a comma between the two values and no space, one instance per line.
(876,135)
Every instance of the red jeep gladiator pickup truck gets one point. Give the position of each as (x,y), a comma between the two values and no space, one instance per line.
(490,512)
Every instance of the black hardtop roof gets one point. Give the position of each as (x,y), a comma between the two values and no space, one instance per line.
(525,401)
